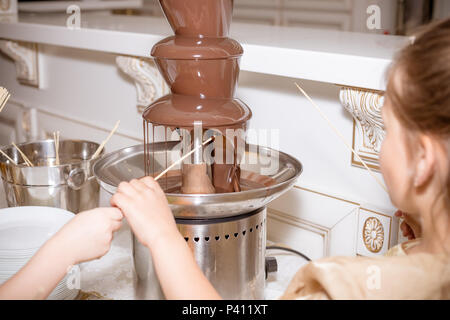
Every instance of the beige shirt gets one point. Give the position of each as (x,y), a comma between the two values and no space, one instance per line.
(395,276)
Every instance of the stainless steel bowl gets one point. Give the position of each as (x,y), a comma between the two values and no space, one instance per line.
(70,185)
(128,163)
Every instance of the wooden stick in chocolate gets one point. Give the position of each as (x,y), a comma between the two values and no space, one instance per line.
(182,158)
(340,135)
(25,158)
(102,145)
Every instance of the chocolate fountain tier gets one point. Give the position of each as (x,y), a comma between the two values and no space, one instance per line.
(201,78)
(207,67)
(176,47)
(258,189)
(180,111)
(203,18)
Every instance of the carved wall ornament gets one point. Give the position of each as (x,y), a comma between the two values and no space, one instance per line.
(373,234)
(5,5)
(149,83)
(25,56)
(368,129)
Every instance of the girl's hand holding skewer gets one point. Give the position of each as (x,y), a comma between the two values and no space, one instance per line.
(145,206)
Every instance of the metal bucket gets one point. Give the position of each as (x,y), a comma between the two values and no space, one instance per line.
(70,185)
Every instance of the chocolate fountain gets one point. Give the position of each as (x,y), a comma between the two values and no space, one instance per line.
(219,194)
(201,65)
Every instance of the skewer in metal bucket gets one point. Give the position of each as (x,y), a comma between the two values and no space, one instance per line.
(25,158)
(7,157)
(4,96)
(56,140)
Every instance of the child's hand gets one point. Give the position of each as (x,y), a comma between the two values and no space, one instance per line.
(89,234)
(145,206)
(409,227)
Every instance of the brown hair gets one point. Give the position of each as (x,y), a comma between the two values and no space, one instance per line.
(422,101)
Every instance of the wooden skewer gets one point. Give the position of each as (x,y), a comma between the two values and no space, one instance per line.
(4,96)
(102,145)
(182,158)
(27,161)
(56,140)
(7,157)
(342,138)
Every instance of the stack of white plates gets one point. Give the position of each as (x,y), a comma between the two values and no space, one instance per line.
(23,230)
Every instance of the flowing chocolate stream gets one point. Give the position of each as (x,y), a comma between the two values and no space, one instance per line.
(201,65)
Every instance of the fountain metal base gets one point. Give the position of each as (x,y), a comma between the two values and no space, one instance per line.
(230,252)
(225,231)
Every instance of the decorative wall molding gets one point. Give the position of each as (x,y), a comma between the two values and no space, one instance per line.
(8,7)
(368,129)
(25,55)
(377,232)
(299,225)
(373,234)
(150,85)
(321,224)
(5,5)
(314,223)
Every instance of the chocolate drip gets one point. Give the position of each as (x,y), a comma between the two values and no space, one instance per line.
(201,65)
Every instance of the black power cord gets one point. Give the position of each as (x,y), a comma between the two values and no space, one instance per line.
(290,250)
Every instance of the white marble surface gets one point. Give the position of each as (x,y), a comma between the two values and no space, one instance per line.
(112,275)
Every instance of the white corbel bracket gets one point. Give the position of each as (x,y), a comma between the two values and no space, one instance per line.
(149,83)
(368,129)
(8,7)
(25,56)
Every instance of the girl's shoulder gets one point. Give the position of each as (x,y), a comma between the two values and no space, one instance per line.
(402,248)
(374,278)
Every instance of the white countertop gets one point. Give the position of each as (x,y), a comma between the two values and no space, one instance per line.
(61,6)
(345,58)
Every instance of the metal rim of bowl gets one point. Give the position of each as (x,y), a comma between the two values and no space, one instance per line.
(22,165)
(202,198)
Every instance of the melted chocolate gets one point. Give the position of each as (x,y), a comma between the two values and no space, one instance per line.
(178,111)
(248,181)
(201,66)
(199,18)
